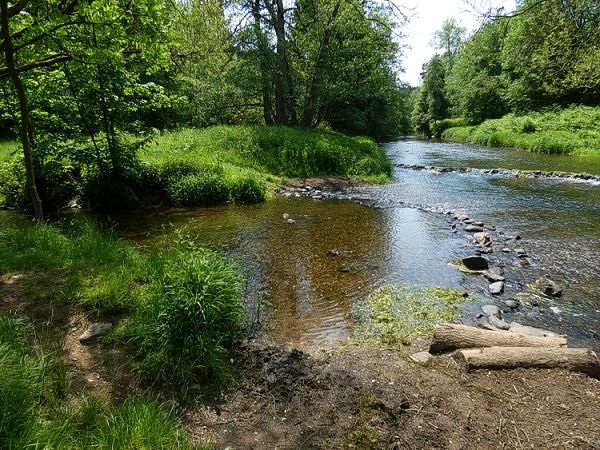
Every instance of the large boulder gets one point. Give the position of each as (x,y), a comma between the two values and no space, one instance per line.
(475,263)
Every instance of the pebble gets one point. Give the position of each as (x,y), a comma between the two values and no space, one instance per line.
(496,288)
(94,331)
(492,310)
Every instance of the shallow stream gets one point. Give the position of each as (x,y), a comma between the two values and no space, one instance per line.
(402,232)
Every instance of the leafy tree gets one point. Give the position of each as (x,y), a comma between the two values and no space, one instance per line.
(476,84)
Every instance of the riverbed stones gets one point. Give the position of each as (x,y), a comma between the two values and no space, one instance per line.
(473,228)
(548,287)
(511,303)
(482,238)
(492,310)
(496,288)
(493,275)
(286,216)
(334,252)
(94,331)
(531,331)
(498,323)
(475,263)
(291,221)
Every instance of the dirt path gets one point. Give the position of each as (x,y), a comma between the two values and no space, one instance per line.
(361,397)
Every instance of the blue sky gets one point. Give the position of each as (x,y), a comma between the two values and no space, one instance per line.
(427,17)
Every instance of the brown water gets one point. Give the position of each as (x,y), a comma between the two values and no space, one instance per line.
(396,238)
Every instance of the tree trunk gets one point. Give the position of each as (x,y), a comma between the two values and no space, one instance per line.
(15,77)
(263,49)
(281,77)
(575,359)
(447,338)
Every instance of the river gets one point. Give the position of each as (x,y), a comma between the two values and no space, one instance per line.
(308,275)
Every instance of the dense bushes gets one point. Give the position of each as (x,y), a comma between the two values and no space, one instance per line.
(570,130)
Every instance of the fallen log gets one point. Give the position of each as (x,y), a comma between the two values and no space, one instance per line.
(450,337)
(575,359)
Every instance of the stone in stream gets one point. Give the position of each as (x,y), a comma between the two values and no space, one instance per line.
(496,288)
(473,228)
(493,275)
(492,310)
(286,216)
(475,263)
(548,287)
(94,331)
(291,221)
(512,304)
(334,252)
(498,323)
(530,331)
(482,238)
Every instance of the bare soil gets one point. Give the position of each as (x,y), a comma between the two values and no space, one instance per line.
(347,397)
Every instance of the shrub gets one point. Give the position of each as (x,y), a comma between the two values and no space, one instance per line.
(185,330)
(198,190)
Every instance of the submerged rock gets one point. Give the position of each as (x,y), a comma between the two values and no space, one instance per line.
(492,310)
(548,287)
(493,276)
(94,331)
(473,228)
(511,303)
(475,263)
(496,288)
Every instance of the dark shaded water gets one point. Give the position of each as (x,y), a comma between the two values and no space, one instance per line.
(392,240)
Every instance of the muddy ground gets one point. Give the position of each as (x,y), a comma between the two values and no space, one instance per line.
(346,397)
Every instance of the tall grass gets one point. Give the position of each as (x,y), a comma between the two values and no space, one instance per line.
(185,330)
(185,303)
(573,130)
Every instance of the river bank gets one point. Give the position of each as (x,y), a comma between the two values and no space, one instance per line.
(571,130)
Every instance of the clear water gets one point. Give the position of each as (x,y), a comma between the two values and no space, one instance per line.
(390,239)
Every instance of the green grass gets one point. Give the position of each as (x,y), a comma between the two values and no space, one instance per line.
(185,303)
(232,163)
(34,412)
(193,316)
(397,314)
(9,150)
(574,130)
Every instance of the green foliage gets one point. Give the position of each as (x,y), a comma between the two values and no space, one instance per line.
(184,331)
(397,314)
(569,130)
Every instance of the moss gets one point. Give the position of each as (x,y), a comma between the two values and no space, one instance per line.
(398,314)
(363,437)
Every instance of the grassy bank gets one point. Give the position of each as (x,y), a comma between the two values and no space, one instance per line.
(35,413)
(182,305)
(195,167)
(574,130)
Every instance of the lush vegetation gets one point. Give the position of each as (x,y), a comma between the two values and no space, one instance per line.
(529,65)
(34,412)
(184,304)
(570,130)
(209,166)
(87,90)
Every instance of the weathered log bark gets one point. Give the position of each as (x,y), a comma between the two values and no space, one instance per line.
(575,359)
(447,338)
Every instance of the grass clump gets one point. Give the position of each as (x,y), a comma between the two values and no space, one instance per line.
(398,314)
(573,130)
(185,329)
